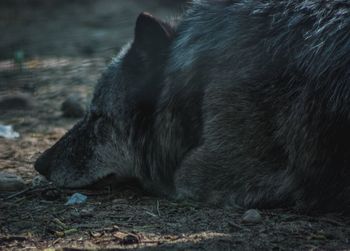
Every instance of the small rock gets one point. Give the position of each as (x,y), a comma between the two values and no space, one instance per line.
(11,182)
(7,132)
(39,181)
(76,198)
(87,212)
(72,107)
(19,101)
(96,234)
(83,213)
(130,239)
(252,216)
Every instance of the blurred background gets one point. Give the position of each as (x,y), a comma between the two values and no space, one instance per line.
(73,27)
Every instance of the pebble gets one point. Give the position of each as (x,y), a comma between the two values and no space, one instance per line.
(11,182)
(39,181)
(83,213)
(87,212)
(76,198)
(252,216)
(130,239)
(7,132)
(72,107)
(19,101)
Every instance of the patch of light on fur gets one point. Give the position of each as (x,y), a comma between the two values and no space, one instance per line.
(121,53)
(113,158)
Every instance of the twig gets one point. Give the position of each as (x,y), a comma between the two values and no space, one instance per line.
(152,214)
(237,226)
(13,238)
(60,223)
(332,221)
(70,231)
(158,211)
(19,193)
(151,242)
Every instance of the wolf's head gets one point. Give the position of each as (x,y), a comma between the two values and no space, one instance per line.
(103,142)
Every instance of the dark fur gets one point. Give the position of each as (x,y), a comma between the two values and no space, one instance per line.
(253,109)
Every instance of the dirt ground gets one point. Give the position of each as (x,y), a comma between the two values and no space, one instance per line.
(52,49)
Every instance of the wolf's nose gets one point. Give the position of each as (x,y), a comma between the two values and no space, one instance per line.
(42,165)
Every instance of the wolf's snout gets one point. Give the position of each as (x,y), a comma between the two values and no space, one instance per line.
(42,165)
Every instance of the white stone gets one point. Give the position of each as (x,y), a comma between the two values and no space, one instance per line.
(252,216)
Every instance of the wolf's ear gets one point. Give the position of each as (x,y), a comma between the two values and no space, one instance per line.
(151,32)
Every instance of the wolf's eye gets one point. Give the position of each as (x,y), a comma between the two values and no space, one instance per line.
(94,115)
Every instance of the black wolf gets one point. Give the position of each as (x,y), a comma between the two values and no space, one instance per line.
(242,102)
